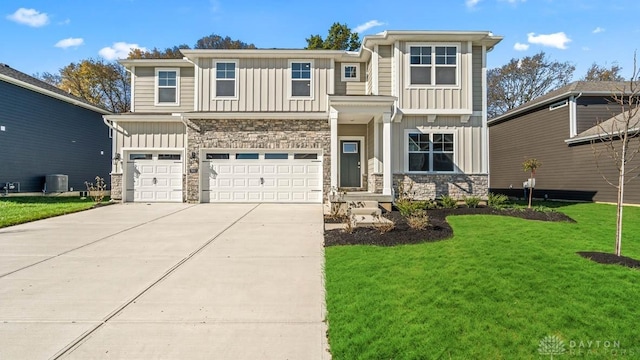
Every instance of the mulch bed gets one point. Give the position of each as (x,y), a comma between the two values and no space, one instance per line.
(610,259)
(439,228)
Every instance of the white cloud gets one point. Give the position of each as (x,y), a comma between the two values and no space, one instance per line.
(368,25)
(586,48)
(521,47)
(65,22)
(472,3)
(69,42)
(557,40)
(598,30)
(30,17)
(515,1)
(118,50)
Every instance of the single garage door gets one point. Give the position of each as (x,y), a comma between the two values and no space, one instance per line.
(154,177)
(278,176)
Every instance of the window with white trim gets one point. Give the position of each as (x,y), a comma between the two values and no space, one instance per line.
(433,65)
(167,84)
(430,152)
(301,79)
(350,72)
(225,79)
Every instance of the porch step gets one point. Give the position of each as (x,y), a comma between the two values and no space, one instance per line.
(369,220)
(364,211)
(363,204)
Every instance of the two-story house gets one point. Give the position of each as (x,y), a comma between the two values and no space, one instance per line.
(294,125)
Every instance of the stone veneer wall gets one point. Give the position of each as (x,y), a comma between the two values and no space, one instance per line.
(256,134)
(428,187)
(375,183)
(116,187)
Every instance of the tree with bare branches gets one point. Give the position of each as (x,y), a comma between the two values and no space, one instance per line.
(619,138)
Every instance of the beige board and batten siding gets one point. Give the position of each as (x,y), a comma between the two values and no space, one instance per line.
(436,97)
(264,85)
(145,91)
(169,135)
(468,140)
(385,56)
(477,77)
(370,146)
(369,78)
(349,87)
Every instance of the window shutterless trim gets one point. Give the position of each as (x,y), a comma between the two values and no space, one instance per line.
(433,65)
(354,77)
(431,151)
(157,87)
(214,83)
(291,79)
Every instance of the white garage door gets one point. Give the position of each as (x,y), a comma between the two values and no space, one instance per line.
(154,177)
(287,176)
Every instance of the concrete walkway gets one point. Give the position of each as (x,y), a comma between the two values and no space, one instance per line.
(165,281)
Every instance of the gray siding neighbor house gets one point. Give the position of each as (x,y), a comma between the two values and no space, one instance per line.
(44,131)
(561,130)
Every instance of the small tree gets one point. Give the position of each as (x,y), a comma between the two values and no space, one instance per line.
(620,138)
(531,165)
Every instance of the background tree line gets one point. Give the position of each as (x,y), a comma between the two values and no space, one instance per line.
(107,84)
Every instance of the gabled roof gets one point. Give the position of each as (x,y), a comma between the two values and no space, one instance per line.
(585,88)
(485,38)
(13,76)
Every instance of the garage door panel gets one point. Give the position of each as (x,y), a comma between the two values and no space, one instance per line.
(154,179)
(239,169)
(283,169)
(273,178)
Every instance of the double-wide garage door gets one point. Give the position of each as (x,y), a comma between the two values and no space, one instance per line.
(275,176)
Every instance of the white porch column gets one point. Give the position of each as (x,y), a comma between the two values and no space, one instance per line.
(387,180)
(333,122)
(376,146)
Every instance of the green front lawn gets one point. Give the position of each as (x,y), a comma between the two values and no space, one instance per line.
(18,210)
(493,291)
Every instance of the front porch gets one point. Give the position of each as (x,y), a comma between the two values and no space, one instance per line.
(361,147)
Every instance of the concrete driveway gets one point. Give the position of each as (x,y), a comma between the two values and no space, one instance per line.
(165,281)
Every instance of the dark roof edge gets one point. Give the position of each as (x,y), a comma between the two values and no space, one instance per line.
(53,94)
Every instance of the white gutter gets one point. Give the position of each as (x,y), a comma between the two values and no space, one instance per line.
(52,94)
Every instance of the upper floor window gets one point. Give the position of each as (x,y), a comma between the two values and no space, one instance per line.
(167,85)
(433,65)
(350,72)
(430,152)
(301,79)
(225,80)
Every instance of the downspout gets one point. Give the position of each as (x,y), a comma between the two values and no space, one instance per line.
(196,83)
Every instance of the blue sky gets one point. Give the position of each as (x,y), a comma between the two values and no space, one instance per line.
(45,35)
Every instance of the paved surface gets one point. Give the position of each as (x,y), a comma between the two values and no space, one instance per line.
(165,281)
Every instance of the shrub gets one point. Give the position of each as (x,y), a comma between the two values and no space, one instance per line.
(448,202)
(96,191)
(418,220)
(407,207)
(497,201)
(430,204)
(472,201)
(384,226)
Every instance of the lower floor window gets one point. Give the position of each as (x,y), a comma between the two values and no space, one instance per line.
(430,152)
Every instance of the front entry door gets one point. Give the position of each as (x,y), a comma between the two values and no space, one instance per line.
(350,164)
